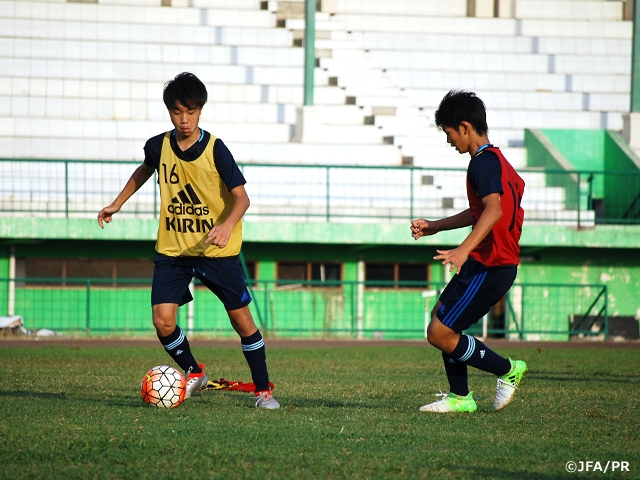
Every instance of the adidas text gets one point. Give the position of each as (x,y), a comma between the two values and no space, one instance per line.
(182,209)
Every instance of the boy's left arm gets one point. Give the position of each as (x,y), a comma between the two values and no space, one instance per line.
(219,235)
(489,217)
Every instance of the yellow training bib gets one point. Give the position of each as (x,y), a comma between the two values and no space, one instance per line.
(193,198)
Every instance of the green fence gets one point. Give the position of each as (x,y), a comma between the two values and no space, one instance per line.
(399,310)
(80,188)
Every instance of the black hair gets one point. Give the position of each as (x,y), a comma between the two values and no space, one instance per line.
(459,106)
(186,89)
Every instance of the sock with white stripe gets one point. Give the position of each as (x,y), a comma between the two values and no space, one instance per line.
(256,355)
(177,346)
(473,352)
(456,374)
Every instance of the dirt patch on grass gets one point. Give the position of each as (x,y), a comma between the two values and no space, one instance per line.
(25,342)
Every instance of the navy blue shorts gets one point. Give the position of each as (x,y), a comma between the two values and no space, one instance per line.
(223,276)
(471,293)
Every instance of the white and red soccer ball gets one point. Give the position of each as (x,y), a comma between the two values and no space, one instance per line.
(163,387)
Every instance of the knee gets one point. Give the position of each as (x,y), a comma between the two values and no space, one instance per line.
(161,322)
(443,343)
(164,323)
(164,327)
(433,338)
(242,322)
(441,337)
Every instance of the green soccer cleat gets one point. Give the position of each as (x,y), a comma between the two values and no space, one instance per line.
(452,403)
(508,384)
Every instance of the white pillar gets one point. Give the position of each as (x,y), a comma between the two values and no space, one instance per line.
(360,311)
(505,8)
(427,294)
(190,309)
(11,294)
(480,8)
(631,129)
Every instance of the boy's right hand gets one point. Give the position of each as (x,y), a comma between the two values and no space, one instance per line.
(421,228)
(106,214)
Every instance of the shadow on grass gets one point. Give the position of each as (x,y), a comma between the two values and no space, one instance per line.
(568,376)
(134,401)
(30,394)
(292,401)
(125,401)
(329,403)
(502,473)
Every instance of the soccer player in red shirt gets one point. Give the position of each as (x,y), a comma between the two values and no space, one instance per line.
(486,262)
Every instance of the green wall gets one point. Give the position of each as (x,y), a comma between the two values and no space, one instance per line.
(583,148)
(618,269)
(608,255)
(544,154)
(300,312)
(618,157)
(587,151)
(71,309)
(59,248)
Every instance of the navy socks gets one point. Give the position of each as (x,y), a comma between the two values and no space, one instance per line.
(472,351)
(456,374)
(177,346)
(256,355)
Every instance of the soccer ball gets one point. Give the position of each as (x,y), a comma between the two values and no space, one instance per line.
(163,387)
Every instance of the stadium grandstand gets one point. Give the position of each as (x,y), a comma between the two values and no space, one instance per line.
(328,108)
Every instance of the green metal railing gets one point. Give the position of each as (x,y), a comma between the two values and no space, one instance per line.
(304,309)
(80,188)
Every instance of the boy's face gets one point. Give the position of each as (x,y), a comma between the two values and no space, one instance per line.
(458,138)
(185,120)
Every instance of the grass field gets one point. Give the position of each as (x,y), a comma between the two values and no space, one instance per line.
(347,412)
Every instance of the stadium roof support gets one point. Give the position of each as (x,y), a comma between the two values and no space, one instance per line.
(635,59)
(631,122)
(309,49)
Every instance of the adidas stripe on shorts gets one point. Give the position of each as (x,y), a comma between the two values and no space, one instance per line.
(472,292)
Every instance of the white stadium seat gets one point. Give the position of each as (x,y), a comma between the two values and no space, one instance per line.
(77,82)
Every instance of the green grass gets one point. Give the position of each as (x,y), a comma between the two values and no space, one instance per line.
(346,413)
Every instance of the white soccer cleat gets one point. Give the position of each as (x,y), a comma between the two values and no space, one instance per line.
(508,384)
(264,399)
(196,381)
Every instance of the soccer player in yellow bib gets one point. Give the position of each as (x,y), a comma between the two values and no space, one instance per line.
(202,201)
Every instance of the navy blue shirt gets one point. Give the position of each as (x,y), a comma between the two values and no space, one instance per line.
(225,163)
(485,174)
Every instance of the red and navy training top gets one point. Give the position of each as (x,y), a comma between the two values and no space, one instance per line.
(490,172)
